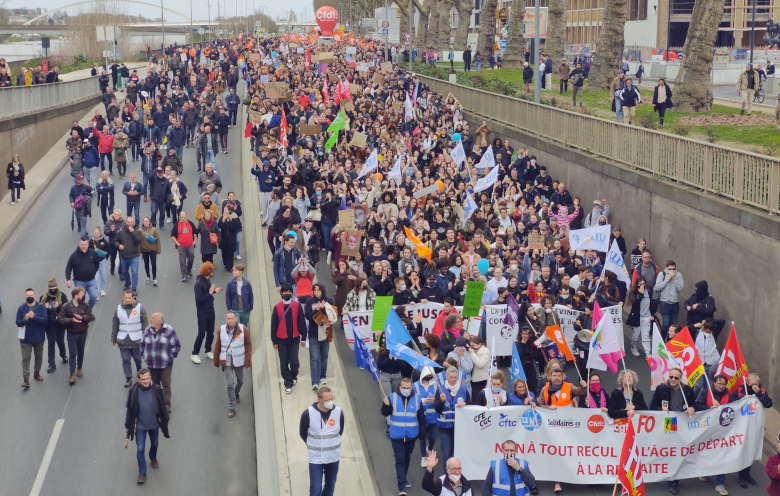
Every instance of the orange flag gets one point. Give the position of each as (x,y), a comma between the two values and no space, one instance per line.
(555,334)
(422,250)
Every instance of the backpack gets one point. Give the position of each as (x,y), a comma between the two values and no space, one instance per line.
(78,203)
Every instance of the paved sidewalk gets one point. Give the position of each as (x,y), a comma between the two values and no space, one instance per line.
(86,73)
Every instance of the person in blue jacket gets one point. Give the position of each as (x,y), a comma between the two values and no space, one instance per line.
(509,475)
(239,297)
(232,101)
(266,179)
(151,134)
(177,137)
(31,318)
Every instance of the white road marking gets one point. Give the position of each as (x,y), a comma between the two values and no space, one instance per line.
(55,435)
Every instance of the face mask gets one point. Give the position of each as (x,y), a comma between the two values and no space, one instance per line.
(431,284)
(595,387)
(533,161)
(328,404)
(602,222)
(496,389)
(30,299)
(454,478)
(286,296)
(446,215)
(53,291)
(513,267)
(403,287)
(406,392)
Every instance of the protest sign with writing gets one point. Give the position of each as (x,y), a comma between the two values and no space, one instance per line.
(382,307)
(386,67)
(345,218)
(312,130)
(276,90)
(535,242)
(473,298)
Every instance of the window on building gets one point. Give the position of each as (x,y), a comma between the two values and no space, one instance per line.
(637,10)
(454,18)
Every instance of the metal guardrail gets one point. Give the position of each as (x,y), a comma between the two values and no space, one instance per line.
(21,100)
(744,177)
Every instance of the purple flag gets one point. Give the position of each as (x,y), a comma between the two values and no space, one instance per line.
(512,311)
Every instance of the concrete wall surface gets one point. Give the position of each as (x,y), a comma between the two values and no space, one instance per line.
(735,249)
(24,100)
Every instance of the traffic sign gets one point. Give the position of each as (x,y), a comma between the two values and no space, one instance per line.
(502,44)
(385,24)
(384,32)
(407,36)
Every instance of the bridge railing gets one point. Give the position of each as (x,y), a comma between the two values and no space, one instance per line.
(20,100)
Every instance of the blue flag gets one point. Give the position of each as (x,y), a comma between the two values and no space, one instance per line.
(363,358)
(517,367)
(411,357)
(395,331)
(469,207)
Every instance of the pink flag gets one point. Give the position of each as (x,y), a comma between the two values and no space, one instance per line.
(611,359)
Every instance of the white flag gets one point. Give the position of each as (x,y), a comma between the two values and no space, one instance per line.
(488,159)
(396,172)
(615,263)
(469,208)
(592,238)
(458,154)
(372,162)
(409,108)
(487,181)
(661,361)
(604,341)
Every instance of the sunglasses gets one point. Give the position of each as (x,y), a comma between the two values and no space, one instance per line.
(676,377)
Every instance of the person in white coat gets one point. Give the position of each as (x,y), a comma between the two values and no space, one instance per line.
(234,345)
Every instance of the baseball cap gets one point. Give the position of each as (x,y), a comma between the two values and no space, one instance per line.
(86,141)
(79,177)
(307,219)
(431,276)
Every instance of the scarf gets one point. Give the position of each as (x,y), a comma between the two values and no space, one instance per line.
(176,195)
(592,402)
(16,169)
(451,388)
(209,223)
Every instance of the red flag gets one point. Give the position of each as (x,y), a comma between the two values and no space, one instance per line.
(684,352)
(337,93)
(325,91)
(307,60)
(732,364)
(283,130)
(248,130)
(630,471)
(346,91)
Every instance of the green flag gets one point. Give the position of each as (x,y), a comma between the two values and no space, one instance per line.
(514,157)
(331,141)
(339,122)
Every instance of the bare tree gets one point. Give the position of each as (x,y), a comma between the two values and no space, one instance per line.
(487,28)
(444,24)
(464,18)
(432,36)
(513,55)
(609,46)
(692,88)
(556,30)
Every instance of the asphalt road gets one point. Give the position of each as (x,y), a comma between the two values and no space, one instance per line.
(207,452)
(365,392)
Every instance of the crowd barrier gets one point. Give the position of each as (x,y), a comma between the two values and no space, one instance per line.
(23,100)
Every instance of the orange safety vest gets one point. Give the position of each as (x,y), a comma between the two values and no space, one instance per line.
(563,398)
(207,52)
(192,52)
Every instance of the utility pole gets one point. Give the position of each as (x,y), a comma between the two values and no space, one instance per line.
(190,20)
(209,28)
(387,31)
(536,50)
(162,16)
(753,34)
(411,32)
(668,28)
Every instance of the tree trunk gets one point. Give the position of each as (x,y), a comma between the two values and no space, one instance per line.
(609,46)
(556,31)
(422,28)
(515,43)
(432,37)
(487,29)
(464,18)
(692,88)
(403,20)
(444,26)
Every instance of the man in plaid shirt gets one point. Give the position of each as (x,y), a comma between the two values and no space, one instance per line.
(159,346)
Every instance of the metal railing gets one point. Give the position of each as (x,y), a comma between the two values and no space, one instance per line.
(744,177)
(22,100)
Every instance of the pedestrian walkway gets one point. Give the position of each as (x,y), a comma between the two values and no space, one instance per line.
(86,73)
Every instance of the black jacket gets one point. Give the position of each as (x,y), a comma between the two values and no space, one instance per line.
(158,188)
(434,485)
(131,416)
(617,402)
(705,305)
(668,95)
(664,393)
(387,410)
(83,266)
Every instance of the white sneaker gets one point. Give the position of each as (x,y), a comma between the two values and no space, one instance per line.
(210,355)
(295,381)
(722,490)
(238,257)
(154,282)
(12,203)
(328,259)
(288,390)
(315,387)
(424,462)
(634,351)
(195,359)
(703,479)
(102,292)
(323,381)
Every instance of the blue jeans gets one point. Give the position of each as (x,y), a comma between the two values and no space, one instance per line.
(242,316)
(82,225)
(316,472)
(91,288)
(669,314)
(318,358)
(618,109)
(140,442)
(232,114)
(447,440)
(327,228)
(146,183)
(478,65)
(129,266)
(720,480)
(427,443)
(100,277)
(179,152)
(110,162)
(158,207)
(403,453)
(16,191)
(210,159)
(238,242)
(137,207)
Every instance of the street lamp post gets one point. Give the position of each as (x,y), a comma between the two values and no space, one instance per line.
(162,16)
(411,32)
(753,34)
(668,28)
(537,84)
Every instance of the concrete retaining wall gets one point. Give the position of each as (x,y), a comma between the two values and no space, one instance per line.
(736,249)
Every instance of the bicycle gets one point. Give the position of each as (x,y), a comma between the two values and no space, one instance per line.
(759,95)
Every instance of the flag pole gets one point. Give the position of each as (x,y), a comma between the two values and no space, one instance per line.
(625,371)
(614,489)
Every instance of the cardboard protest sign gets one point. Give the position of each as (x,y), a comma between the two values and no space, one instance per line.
(276,90)
(299,50)
(293,45)
(378,78)
(257,160)
(315,58)
(253,56)
(312,130)
(347,105)
(345,218)
(360,217)
(332,78)
(362,66)
(326,57)
(387,67)
(398,105)
(255,117)
(535,242)
(351,245)
(355,89)
(359,140)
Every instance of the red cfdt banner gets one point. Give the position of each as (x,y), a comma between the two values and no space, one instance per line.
(327,18)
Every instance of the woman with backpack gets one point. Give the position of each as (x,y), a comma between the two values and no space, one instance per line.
(478,61)
(15,174)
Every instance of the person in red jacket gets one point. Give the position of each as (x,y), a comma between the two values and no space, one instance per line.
(773,471)
(288,328)
(105,148)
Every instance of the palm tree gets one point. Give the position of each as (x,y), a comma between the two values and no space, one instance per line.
(556,30)
(609,46)
(464,18)
(692,87)
(514,42)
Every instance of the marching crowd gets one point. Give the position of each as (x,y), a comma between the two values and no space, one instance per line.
(357,161)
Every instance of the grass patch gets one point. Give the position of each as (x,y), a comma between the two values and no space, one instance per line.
(79,63)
